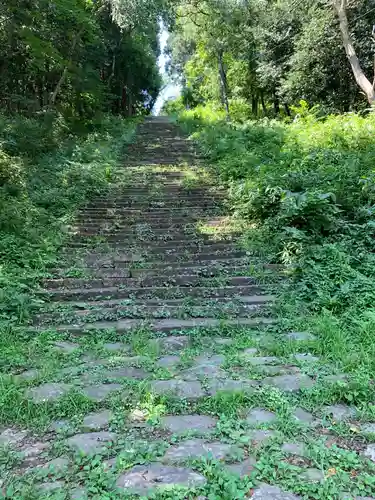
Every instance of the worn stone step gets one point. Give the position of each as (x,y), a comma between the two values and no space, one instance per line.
(160,224)
(161,201)
(158,281)
(165,325)
(142,310)
(150,292)
(164,247)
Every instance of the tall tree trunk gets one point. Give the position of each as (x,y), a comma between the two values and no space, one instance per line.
(276,104)
(254,105)
(223,83)
(62,78)
(264,107)
(287,109)
(363,82)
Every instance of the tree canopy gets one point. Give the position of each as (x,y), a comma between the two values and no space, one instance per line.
(273,53)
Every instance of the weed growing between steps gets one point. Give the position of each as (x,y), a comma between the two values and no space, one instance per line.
(42,186)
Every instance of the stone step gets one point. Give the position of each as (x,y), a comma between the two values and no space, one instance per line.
(128,272)
(142,310)
(157,224)
(147,282)
(166,248)
(162,238)
(161,201)
(107,293)
(248,300)
(165,325)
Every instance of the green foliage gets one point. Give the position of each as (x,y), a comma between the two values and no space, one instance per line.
(40,187)
(308,187)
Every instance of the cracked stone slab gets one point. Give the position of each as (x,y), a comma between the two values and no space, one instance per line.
(243,468)
(100,392)
(182,423)
(47,392)
(169,362)
(67,347)
(173,343)
(370,452)
(216,386)
(333,379)
(258,416)
(197,448)
(33,451)
(12,437)
(28,374)
(339,412)
(97,421)
(188,390)
(144,478)
(93,442)
(267,492)
(289,383)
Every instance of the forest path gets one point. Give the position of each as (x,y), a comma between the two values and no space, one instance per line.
(161,371)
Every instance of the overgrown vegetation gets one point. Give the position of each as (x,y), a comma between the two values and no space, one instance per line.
(46,173)
(306,189)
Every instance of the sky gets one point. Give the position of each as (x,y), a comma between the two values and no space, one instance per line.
(171,90)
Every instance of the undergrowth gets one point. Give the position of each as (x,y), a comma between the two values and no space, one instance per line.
(46,172)
(307,188)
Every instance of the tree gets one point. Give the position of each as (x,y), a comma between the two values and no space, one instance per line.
(366,86)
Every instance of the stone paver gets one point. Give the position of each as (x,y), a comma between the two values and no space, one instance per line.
(100,392)
(57,464)
(338,412)
(203,371)
(297,449)
(197,448)
(126,372)
(214,360)
(78,494)
(10,437)
(51,487)
(216,386)
(47,392)
(182,423)
(266,492)
(169,361)
(306,358)
(67,347)
(368,428)
(97,421)
(188,390)
(370,452)
(92,442)
(114,346)
(260,360)
(300,336)
(302,416)
(290,383)
(244,468)
(144,478)
(258,416)
(173,343)
(259,437)
(312,475)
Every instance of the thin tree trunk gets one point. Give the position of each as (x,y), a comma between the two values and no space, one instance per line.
(276,104)
(223,83)
(62,78)
(366,86)
(254,105)
(287,109)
